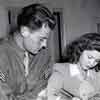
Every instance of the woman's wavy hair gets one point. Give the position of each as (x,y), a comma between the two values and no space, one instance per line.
(88,41)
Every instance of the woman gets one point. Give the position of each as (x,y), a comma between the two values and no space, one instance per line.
(79,77)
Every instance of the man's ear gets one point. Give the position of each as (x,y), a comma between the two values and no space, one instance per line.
(45,25)
(25,31)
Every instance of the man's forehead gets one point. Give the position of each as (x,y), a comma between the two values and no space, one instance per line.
(44,34)
(44,37)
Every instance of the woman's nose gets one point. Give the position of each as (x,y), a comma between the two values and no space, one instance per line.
(93,62)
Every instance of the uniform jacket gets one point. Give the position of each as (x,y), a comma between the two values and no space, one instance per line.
(12,73)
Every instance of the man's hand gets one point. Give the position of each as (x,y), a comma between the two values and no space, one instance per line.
(76,98)
(2,95)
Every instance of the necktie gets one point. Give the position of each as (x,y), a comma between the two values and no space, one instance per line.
(26,63)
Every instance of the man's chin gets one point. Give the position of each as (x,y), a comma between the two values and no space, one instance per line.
(35,53)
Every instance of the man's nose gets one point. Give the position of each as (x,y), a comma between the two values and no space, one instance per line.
(44,44)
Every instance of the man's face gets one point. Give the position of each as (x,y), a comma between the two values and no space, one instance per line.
(35,40)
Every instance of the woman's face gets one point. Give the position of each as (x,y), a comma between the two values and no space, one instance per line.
(89,59)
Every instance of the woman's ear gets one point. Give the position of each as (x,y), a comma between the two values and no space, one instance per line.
(25,31)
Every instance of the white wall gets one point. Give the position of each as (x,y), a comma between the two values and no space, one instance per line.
(80,18)
(4,26)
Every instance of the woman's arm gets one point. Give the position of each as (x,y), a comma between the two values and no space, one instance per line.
(55,83)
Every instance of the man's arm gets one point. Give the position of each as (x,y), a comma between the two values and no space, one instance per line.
(55,84)
(5,89)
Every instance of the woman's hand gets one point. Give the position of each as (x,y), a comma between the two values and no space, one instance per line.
(86,90)
(95,97)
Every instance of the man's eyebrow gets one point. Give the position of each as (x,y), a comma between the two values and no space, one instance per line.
(43,37)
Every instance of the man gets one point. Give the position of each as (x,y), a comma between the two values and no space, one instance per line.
(23,63)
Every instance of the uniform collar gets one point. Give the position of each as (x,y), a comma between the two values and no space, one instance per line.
(18,50)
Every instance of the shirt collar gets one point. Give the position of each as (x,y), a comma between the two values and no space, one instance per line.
(74,71)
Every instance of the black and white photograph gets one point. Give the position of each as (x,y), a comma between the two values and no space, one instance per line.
(49,49)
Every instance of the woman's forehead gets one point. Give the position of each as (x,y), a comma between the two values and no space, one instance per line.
(94,53)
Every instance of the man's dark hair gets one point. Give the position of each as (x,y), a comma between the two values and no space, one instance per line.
(33,16)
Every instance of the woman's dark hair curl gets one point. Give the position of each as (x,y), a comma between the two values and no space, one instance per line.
(88,41)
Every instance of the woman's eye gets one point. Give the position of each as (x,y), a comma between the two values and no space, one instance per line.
(90,57)
(97,61)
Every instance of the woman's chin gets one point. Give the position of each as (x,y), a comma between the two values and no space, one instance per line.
(85,68)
